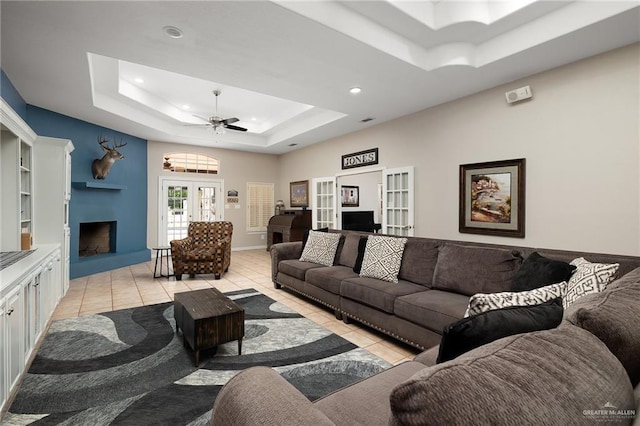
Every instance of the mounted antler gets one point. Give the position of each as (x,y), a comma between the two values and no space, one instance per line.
(100,167)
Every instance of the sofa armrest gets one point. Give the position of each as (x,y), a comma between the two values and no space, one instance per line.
(283,251)
(428,357)
(260,396)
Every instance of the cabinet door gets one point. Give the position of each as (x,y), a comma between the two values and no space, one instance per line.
(57,280)
(67,174)
(15,336)
(28,337)
(34,316)
(4,355)
(51,288)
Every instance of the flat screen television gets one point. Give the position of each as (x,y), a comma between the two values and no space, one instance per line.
(358,221)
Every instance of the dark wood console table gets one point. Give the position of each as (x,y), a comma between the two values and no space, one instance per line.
(287,227)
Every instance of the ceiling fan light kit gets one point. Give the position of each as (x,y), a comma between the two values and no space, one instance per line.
(217,124)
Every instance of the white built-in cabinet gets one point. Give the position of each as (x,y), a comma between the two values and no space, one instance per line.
(31,290)
(35,186)
(52,189)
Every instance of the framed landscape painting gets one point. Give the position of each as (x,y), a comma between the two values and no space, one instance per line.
(492,198)
(299,193)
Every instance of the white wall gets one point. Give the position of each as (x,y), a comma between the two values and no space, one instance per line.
(579,134)
(236,169)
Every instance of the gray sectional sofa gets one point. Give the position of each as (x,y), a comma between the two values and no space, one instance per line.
(581,372)
(436,279)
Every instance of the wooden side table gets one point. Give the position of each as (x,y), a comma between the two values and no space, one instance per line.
(162,253)
(207,319)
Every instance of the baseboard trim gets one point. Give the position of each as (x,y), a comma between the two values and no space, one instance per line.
(264,247)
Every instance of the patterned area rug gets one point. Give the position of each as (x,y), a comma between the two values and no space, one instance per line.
(130,367)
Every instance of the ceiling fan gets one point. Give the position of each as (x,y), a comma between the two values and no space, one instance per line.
(218,124)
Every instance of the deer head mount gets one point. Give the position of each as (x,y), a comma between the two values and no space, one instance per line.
(100,167)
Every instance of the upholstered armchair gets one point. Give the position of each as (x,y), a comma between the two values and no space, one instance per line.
(206,250)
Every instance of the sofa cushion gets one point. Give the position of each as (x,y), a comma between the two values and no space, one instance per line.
(588,278)
(538,271)
(419,261)
(321,248)
(367,401)
(485,302)
(472,332)
(428,357)
(330,277)
(349,251)
(470,270)
(296,268)
(614,317)
(377,293)
(546,377)
(382,257)
(433,309)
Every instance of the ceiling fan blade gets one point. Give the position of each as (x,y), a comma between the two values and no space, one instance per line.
(197,125)
(231,127)
(201,117)
(230,120)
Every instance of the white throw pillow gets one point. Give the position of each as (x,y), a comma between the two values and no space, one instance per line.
(321,248)
(483,302)
(383,257)
(588,278)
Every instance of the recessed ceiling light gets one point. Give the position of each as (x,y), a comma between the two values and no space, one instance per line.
(366,120)
(173,32)
(355,90)
(253,119)
(139,80)
(185,107)
(293,144)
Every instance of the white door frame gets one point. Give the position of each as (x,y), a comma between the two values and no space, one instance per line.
(162,229)
(360,171)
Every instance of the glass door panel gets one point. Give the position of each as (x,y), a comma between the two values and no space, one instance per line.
(324,209)
(183,201)
(398,201)
(177,214)
(207,205)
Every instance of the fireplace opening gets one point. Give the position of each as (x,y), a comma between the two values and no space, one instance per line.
(97,238)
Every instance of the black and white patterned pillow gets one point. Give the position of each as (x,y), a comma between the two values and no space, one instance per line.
(588,278)
(483,302)
(321,248)
(382,258)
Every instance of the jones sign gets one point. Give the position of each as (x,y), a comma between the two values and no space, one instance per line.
(359,159)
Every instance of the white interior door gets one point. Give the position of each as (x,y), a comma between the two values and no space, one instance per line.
(397,192)
(184,201)
(323,194)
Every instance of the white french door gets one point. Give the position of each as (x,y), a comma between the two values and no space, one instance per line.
(183,201)
(397,199)
(323,194)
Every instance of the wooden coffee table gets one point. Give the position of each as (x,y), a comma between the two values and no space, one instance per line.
(207,319)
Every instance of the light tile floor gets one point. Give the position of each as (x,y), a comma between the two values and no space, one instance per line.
(135,286)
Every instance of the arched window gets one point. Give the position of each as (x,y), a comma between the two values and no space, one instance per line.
(187,162)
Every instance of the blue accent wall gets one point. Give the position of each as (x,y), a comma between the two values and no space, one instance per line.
(11,96)
(127,206)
